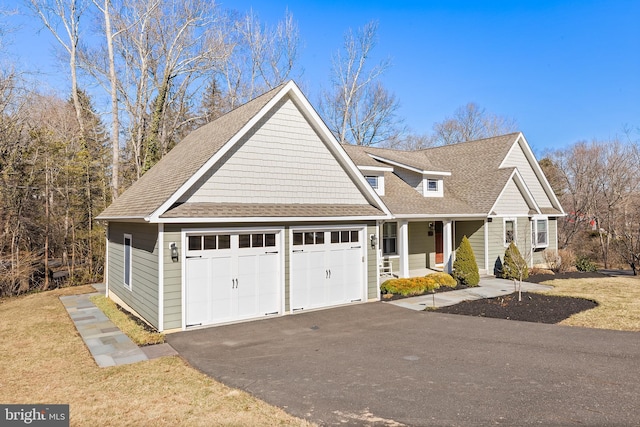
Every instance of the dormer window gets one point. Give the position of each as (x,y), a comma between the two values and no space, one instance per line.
(432,186)
(373,181)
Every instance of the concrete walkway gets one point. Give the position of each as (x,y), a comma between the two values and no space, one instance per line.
(108,345)
(489,287)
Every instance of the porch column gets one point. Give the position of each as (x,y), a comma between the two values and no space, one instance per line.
(403,248)
(447,246)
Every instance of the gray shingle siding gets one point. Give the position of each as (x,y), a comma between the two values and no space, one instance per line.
(419,245)
(143,296)
(474,230)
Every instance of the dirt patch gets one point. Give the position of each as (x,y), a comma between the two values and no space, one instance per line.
(534,307)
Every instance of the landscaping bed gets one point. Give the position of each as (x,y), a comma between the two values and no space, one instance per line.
(539,308)
(393,297)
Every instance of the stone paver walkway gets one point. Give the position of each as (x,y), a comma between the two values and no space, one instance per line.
(489,287)
(108,345)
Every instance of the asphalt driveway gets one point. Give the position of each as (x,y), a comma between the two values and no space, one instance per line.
(380,364)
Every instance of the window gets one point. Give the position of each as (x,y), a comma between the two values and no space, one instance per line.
(208,242)
(509,231)
(389,238)
(127,261)
(432,185)
(308,238)
(540,234)
(373,181)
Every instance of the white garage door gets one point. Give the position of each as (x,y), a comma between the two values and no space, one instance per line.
(231,276)
(326,267)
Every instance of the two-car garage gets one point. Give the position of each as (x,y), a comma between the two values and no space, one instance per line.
(239,274)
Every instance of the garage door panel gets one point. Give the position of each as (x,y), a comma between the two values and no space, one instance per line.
(326,271)
(268,283)
(247,286)
(353,274)
(318,294)
(228,279)
(221,288)
(197,291)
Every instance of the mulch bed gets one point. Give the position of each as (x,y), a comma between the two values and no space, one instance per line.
(538,278)
(534,307)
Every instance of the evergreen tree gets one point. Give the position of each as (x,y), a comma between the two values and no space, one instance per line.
(465,267)
(514,266)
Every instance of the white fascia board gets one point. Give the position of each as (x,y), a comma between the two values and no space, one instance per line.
(409,168)
(336,148)
(124,219)
(439,216)
(533,162)
(280,219)
(220,153)
(375,169)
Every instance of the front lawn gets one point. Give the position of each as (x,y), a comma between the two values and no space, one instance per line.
(570,302)
(44,360)
(618,301)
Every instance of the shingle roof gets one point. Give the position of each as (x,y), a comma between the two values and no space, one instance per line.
(249,210)
(156,186)
(475,183)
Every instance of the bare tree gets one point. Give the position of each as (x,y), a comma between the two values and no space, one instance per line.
(358,108)
(469,123)
(256,57)
(159,52)
(105,8)
(65,13)
(598,186)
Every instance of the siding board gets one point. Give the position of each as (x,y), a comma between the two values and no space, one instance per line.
(283,160)
(143,296)
(518,159)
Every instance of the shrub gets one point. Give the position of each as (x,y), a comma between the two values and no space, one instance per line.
(583,263)
(465,268)
(567,260)
(514,266)
(412,286)
(443,279)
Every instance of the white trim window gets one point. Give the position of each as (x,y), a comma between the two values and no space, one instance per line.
(390,238)
(540,233)
(510,231)
(372,180)
(432,185)
(128,261)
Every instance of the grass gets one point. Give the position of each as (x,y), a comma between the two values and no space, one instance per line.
(44,360)
(133,329)
(618,299)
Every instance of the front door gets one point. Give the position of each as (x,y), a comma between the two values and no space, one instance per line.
(439,250)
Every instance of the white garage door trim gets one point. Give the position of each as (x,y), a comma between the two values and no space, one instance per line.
(296,299)
(234,252)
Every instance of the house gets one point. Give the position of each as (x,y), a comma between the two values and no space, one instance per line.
(262,213)
(492,190)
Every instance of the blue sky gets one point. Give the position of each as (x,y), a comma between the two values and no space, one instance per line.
(565,70)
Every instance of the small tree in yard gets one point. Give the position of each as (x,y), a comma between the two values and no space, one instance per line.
(465,267)
(515,267)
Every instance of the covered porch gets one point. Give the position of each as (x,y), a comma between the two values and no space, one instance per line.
(416,247)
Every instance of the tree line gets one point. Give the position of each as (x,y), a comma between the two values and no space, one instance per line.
(163,69)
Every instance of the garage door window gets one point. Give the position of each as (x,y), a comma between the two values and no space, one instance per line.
(308,238)
(208,242)
(256,240)
(344,236)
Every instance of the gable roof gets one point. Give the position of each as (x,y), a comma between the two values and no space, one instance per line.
(476,181)
(157,191)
